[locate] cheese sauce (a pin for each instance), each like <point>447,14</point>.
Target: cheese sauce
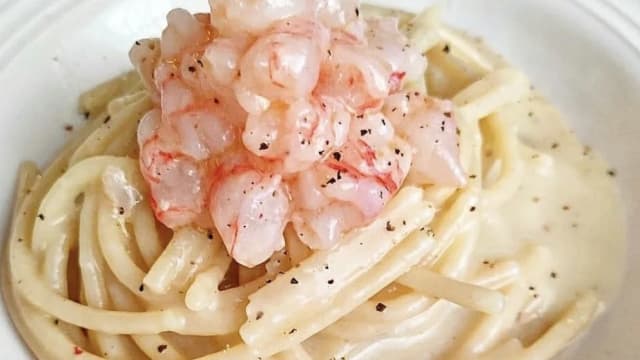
<point>569,203</point>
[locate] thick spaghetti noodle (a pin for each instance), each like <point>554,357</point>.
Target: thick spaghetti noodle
<point>87,275</point>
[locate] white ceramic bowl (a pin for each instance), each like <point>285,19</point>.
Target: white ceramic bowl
<point>584,55</point>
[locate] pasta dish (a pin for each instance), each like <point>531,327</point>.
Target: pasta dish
<point>316,179</point>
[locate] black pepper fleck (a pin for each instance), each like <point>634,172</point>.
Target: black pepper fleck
<point>162,348</point>
<point>380,307</point>
<point>390,227</point>
<point>141,288</point>
<point>294,281</point>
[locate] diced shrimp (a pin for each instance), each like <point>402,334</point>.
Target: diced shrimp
<point>387,42</point>
<point>284,64</point>
<point>175,97</point>
<point>364,69</point>
<point>296,135</point>
<point>144,55</point>
<point>183,30</point>
<point>322,229</point>
<point>250,210</point>
<point>352,186</point>
<point>429,125</point>
<point>337,13</point>
<point>270,112</point>
<point>203,134</point>
<point>255,16</point>
<point>358,80</point>
<point>175,181</point>
<point>223,55</point>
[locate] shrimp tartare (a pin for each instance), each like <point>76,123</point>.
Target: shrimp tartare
<point>301,117</point>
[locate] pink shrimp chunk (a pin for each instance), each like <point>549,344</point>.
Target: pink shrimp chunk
<point>284,64</point>
<point>249,210</point>
<point>429,125</point>
<point>274,112</point>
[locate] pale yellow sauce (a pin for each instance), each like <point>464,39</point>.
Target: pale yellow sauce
<point>567,202</point>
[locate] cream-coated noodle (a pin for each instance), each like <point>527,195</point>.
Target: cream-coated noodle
<point>485,245</point>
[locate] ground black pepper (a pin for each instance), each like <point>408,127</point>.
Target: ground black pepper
<point>390,227</point>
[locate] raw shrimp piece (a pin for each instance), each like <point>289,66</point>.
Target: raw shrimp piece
<point>319,219</point>
<point>429,125</point>
<point>250,211</point>
<point>338,13</point>
<point>353,184</point>
<point>255,16</point>
<point>175,180</point>
<point>144,56</point>
<point>203,133</point>
<point>387,42</point>
<point>368,177</point>
<point>148,127</point>
<point>183,31</point>
<point>369,61</point>
<point>355,78</point>
<point>223,56</point>
<point>284,64</point>
<point>176,184</point>
<point>323,229</point>
<point>297,135</point>
<point>175,97</point>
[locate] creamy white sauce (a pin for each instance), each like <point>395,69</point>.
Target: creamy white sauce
<point>567,202</point>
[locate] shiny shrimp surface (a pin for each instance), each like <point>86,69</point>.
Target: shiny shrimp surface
<point>269,113</point>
